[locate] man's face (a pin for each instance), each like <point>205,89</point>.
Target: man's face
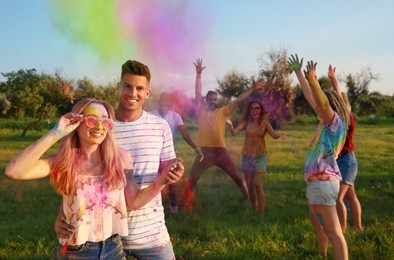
<point>134,90</point>
<point>212,101</point>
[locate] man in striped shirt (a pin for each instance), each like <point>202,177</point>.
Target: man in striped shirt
<point>148,139</point>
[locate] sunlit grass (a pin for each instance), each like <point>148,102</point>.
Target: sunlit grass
<point>222,226</point>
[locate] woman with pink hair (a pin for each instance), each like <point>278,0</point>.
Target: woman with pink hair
<point>94,177</point>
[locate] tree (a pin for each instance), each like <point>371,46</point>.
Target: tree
<point>358,84</point>
<point>87,89</point>
<point>277,96</point>
<point>386,107</point>
<point>60,92</point>
<point>5,104</point>
<point>374,104</point>
<point>58,96</point>
<point>110,94</point>
<point>22,89</point>
<point>300,104</point>
<point>35,95</point>
<point>233,84</point>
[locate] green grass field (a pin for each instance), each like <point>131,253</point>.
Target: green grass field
<point>221,225</point>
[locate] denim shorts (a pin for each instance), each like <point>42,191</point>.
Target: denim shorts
<point>164,252</point>
<point>258,163</point>
<point>347,164</point>
<point>322,192</point>
<point>111,248</point>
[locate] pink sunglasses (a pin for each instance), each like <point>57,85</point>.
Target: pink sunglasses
<point>93,121</point>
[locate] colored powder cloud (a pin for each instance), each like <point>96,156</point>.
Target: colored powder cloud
<point>89,22</point>
<point>166,35</point>
<point>166,32</point>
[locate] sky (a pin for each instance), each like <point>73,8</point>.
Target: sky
<point>93,38</point>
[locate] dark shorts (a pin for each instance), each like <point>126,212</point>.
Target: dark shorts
<point>347,164</point>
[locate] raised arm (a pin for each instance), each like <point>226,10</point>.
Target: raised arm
<point>258,85</point>
<point>296,65</point>
<point>28,164</point>
<point>333,77</point>
<point>322,104</point>
<point>136,198</point>
<point>198,85</point>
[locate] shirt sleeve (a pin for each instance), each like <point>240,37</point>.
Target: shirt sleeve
<point>336,123</point>
<point>168,151</point>
<point>226,111</point>
<point>178,119</point>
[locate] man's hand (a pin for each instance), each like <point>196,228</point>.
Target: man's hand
<point>175,171</point>
<point>199,152</point>
<point>63,230</point>
<point>199,67</point>
<point>295,63</point>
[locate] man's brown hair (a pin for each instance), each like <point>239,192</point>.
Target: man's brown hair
<point>136,68</point>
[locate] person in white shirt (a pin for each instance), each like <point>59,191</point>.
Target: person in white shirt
<point>175,122</point>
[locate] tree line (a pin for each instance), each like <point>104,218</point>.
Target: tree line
<point>31,94</point>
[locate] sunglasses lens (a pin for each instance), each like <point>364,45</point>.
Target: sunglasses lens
<point>91,121</point>
<point>107,124</point>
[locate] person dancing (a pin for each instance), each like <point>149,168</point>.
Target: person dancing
<point>254,152</point>
<point>321,171</point>
<point>348,166</point>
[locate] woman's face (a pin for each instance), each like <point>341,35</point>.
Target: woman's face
<point>255,110</point>
<point>95,125</point>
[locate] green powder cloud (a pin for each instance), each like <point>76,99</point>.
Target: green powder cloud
<point>90,22</point>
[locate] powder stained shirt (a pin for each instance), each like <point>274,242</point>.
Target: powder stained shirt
<point>94,211</point>
<point>149,141</point>
<point>324,147</point>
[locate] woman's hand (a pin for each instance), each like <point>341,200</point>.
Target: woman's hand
<point>68,123</point>
<point>258,85</point>
<point>310,74</point>
<point>332,75</point>
<point>295,63</point>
